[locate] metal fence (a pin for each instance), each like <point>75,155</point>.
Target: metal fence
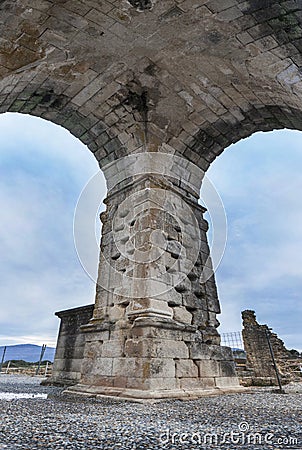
<point>232,339</point>
<point>8,365</point>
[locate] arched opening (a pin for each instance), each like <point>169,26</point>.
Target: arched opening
<point>42,172</point>
<point>259,180</point>
<point>43,169</point>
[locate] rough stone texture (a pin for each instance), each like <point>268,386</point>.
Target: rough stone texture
<point>216,422</point>
<point>259,359</point>
<point>152,269</point>
<point>179,77</point>
<point>200,74</point>
<point>70,345</point>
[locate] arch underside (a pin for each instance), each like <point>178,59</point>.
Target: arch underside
<point>197,77</point>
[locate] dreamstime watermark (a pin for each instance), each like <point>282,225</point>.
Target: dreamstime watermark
<point>243,435</point>
<point>140,205</point>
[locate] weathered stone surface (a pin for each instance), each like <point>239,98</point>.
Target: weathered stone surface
<point>156,348</point>
<point>197,383</point>
<point>144,368</point>
<point>185,368</point>
<point>213,352</point>
<point>208,368</point>
<point>116,76</point>
<point>244,70</point>
<point>112,348</point>
<point>227,368</point>
<point>70,346</point>
<point>226,382</point>
<point>181,314</point>
<point>260,366</point>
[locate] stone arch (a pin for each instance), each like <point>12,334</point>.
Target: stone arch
<point>135,75</point>
<point>188,68</point>
<point>42,97</point>
<point>211,141</point>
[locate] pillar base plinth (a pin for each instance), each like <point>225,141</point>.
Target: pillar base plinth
<point>137,395</point>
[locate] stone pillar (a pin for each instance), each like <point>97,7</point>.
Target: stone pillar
<point>70,346</point>
<point>154,329</point>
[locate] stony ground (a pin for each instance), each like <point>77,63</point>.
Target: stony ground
<point>262,420</point>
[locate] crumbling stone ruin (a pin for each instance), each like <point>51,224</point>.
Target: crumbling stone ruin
<point>259,361</point>
<point>156,90</point>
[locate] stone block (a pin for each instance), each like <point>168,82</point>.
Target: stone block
<point>112,348</point>
<point>130,367</point>
<point>170,333</point>
<point>226,382</point>
<point>206,351</point>
<point>227,368</point>
<point>185,368</point>
<point>154,348</point>
<point>93,349</point>
<point>163,383</point>
<point>162,368</point>
<point>74,365</point>
<point>230,14</point>
<point>98,380</point>
<point>170,296</point>
<point>155,384</point>
<point>190,300</point>
<point>149,307</point>
<point>102,366</point>
<point>88,91</point>
<point>211,336</point>
<point>120,381</point>
<point>138,383</point>
<point>197,383</point>
<point>66,377</point>
<point>144,367</point>
<point>208,368</point>
<point>98,337</point>
<point>181,314</point>
<point>116,312</point>
<point>213,304</point>
<point>200,318</point>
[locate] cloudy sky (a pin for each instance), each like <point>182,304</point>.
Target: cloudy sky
<point>43,170</point>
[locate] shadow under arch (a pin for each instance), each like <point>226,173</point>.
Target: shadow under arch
<point>212,140</point>
<point>47,101</point>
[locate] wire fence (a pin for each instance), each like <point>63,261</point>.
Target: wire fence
<point>10,368</point>
<point>232,339</point>
<point>13,363</point>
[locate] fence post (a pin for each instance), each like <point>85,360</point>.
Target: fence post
<point>274,361</point>
<point>2,360</point>
<point>45,374</point>
<point>41,357</point>
<point>8,366</point>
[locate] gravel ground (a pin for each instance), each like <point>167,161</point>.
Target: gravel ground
<point>261,420</point>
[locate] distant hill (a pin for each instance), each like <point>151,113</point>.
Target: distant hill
<point>27,352</point>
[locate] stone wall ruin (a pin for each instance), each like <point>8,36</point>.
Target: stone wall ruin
<point>259,360</point>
